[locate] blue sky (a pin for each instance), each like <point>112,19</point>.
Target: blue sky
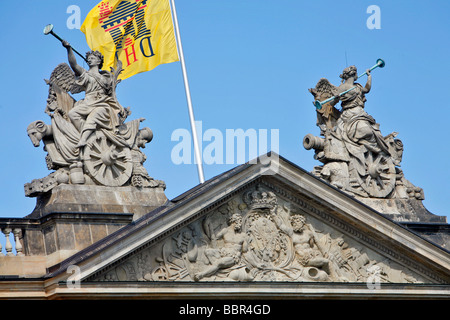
<point>250,64</point>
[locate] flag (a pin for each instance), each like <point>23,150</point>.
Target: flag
<point>137,32</point>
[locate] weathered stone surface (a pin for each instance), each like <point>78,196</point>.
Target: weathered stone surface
<point>34,242</point>
<point>98,232</point>
<point>57,236</point>
<point>99,199</point>
<point>50,240</point>
<point>66,239</point>
<point>403,210</point>
<point>82,235</point>
<point>23,266</point>
<point>436,232</point>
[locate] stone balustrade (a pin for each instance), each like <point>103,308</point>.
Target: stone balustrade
<point>29,245</point>
<point>14,247</point>
<point>12,231</point>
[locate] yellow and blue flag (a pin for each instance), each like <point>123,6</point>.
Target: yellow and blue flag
<point>140,33</point>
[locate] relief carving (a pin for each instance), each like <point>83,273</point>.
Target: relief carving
<point>258,237</point>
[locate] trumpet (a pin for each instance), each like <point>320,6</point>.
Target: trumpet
<point>318,104</point>
<point>49,30</point>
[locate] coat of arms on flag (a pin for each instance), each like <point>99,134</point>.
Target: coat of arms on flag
<point>138,32</point>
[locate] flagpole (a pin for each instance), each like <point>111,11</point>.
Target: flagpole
<point>188,97</point>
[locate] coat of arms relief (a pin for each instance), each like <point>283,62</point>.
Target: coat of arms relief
<point>257,236</point>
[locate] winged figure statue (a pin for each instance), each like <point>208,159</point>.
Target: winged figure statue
<point>89,140</point>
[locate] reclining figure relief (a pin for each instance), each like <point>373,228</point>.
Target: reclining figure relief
<point>259,237</point>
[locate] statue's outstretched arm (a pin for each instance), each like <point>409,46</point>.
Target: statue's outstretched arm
<point>72,60</point>
<point>369,82</point>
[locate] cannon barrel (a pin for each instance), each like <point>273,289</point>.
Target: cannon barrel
<point>312,142</point>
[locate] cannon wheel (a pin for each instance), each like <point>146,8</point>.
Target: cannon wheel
<point>379,180</point>
<point>107,163</point>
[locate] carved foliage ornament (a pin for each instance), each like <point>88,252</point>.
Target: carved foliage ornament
<point>257,237</point>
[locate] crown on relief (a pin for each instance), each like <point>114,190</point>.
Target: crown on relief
<point>260,199</point>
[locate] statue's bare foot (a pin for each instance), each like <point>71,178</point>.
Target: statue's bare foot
<point>197,277</point>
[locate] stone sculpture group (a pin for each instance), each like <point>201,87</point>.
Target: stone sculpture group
<point>255,236</point>
<point>88,141</point>
<point>356,157</point>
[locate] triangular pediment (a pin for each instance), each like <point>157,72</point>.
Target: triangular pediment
<point>262,223</point>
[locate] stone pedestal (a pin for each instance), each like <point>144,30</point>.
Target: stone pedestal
<point>57,236</point>
<point>403,210</point>
<point>70,218</point>
<point>68,198</point>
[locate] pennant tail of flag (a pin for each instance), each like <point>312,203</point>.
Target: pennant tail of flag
<point>139,33</point>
